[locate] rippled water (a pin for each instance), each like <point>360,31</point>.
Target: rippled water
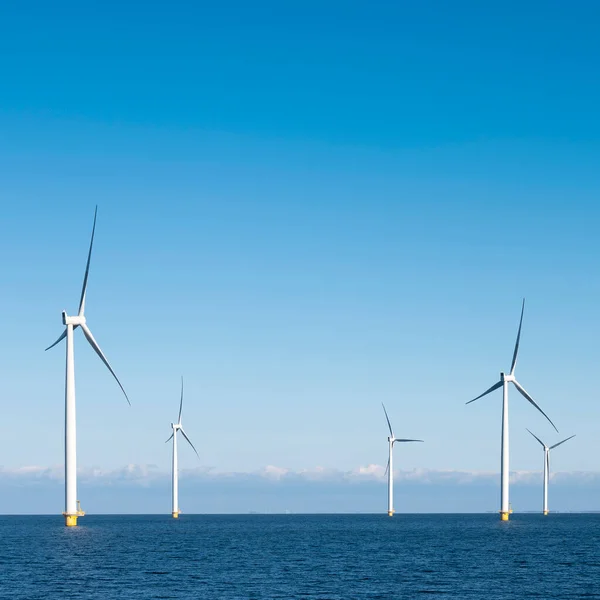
<point>301,556</point>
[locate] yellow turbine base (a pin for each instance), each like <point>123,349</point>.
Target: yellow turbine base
<point>390,513</point>
<point>546,513</point>
<point>175,515</point>
<point>504,516</point>
<point>71,520</point>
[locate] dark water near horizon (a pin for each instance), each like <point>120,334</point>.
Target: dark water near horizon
<point>301,556</point>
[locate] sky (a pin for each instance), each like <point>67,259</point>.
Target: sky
<point>305,209</point>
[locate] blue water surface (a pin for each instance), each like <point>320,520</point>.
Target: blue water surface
<point>301,556</point>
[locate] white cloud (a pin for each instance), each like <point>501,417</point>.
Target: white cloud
<point>32,472</point>
<point>370,471</point>
<point>272,472</point>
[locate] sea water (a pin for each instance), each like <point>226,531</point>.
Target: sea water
<point>301,556</point>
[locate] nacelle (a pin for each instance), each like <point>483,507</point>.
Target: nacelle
<point>67,320</point>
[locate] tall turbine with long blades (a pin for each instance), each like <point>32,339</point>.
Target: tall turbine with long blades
<point>177,427</point>
<point>390,466</point>
<point>547,466</point>
<point>503,383</point>
<point>71,323</point>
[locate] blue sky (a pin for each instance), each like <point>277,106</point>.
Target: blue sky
<point>306,210</point>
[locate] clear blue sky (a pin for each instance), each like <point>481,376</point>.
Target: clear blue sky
<point>305,208</point>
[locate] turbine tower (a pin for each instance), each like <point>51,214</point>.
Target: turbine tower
<point>71,323</point>
<point>547,466</point>
<point>503,383</point>
<point>177,427</point>
<point>389,469</point>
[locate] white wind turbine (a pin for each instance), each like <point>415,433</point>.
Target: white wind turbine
<point>390,466</point>
<point>503,383</point>
<point>72,510</point>
<point>177,427</point>
<point>547,466</point>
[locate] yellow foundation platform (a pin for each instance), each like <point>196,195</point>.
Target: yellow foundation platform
<point>390,513</point>
<point>546,513</point>
<point>71,520</point>
<point>504,516</point>
<point>175,515</point>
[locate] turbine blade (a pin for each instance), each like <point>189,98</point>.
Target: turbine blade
<point>170,438</point>
<point>494,387</point>
<point>528,397</point>
<point>387,468</point>
<point>559,443</point>
<point>63,335</point>
<point>514,360</point>
<point>189,442</point>
<point>87,268</point>
<point>90,338</point>
<point>400,440</point>
<point>537,438</point>
<point>387,419</point>
<point>180,403</point>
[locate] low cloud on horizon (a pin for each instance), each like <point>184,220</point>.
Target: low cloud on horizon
<point>143,489</point>
<point>146,474</point>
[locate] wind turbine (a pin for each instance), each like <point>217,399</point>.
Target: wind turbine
<point>177,427</point>
<point>547,466</point>
<point>72,510</point>
<point>503,383</point>
<point>389,469</point>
